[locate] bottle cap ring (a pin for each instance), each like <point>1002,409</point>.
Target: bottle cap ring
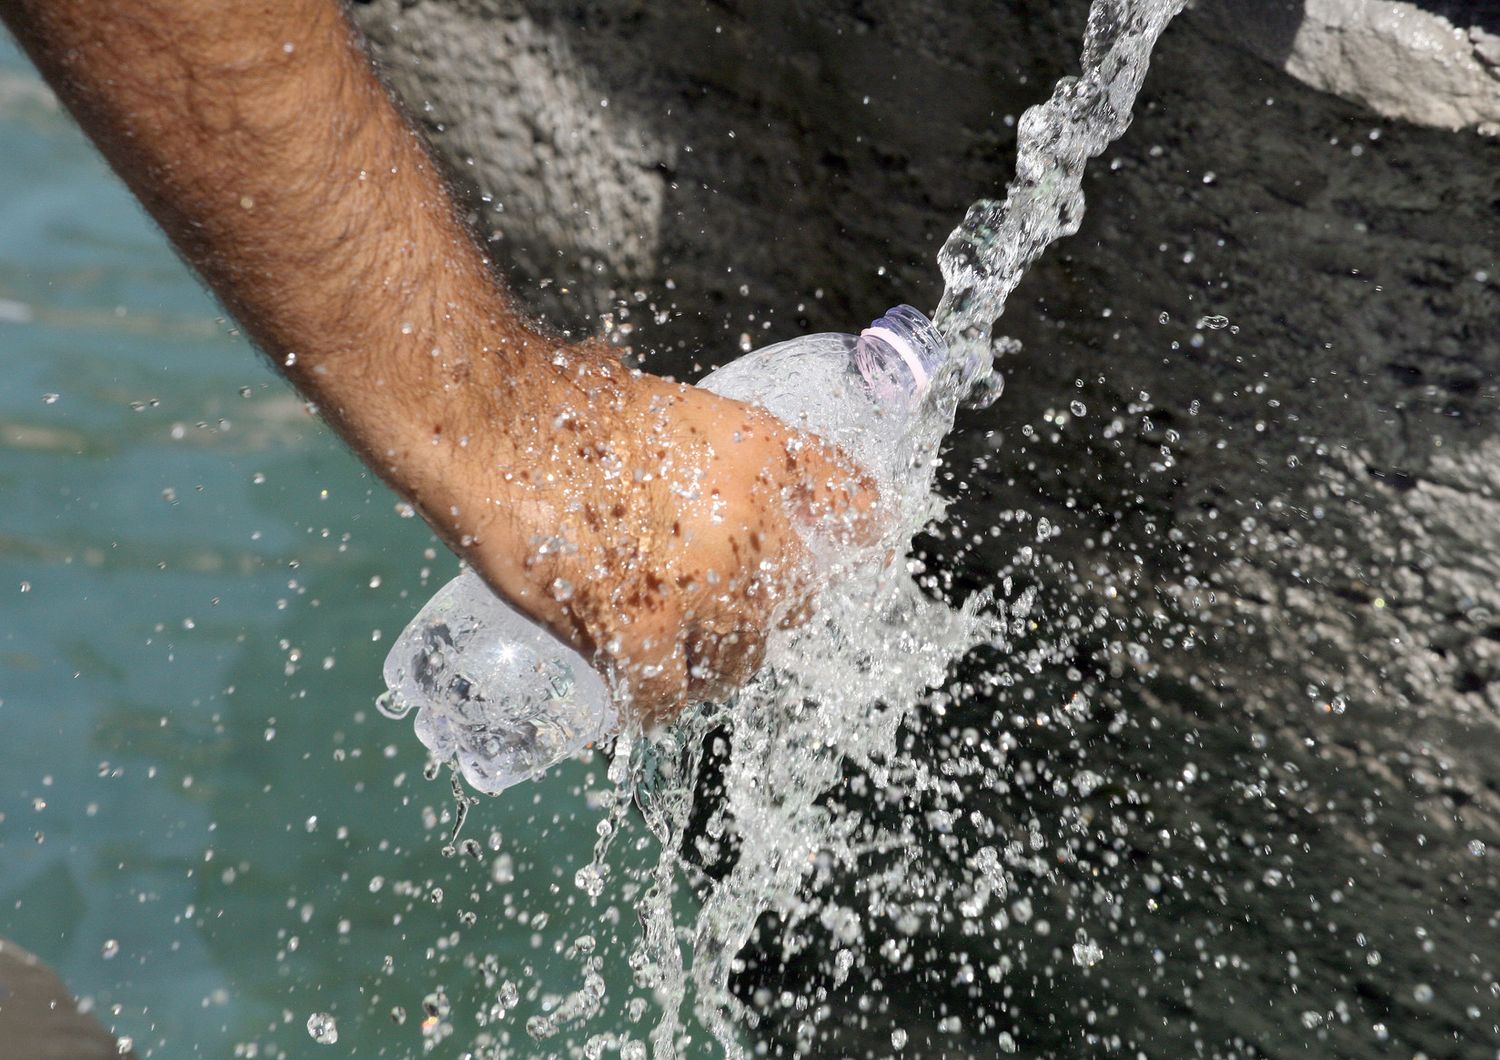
<point>903,348</point>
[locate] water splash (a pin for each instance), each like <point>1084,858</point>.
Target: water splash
<point>845,684</point>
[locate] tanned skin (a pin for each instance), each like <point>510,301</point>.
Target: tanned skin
<point>649,524</point>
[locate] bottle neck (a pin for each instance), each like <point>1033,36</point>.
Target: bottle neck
<point>903,349</point>
<point>899,355</point>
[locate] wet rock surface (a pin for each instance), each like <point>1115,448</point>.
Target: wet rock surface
<point>1248,731</point>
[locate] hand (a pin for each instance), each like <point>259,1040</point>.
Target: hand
<point>661,524</point>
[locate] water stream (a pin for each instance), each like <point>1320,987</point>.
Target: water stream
<point>845,692</point>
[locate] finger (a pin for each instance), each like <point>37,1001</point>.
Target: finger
<point>799,599</point>
<point>655,691</point>
<point>828,489</point>
<point>720,662</point>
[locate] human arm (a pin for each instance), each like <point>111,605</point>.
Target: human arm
<point>629,515</point>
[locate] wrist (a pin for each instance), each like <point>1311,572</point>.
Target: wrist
<point>530,468</point>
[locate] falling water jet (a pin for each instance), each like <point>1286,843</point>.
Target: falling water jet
<point>986,256</point>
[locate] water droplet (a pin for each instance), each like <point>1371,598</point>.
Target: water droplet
<point>50,399</point>
<point>986,390</point>
<point>1214,322</point>
<point>590,880</point>
<point>1423,993</point>
<point>392,707</point>
<point>1079,408</point>
<point>322,1029</point>
<point>1087,953</point>
<point>110,949</point>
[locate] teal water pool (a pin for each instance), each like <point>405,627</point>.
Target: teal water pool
<point>204,824</point>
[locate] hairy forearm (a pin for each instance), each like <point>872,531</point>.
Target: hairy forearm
<point>258,137</point>
<point>642,520</point>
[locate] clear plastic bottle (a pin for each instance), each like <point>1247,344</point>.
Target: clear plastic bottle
<point>492,689</point>
<point>503,697</point>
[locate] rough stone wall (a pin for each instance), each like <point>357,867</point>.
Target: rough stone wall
<point>1289,527</point>
<point>1434,63</point>
<point>779,146</point>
